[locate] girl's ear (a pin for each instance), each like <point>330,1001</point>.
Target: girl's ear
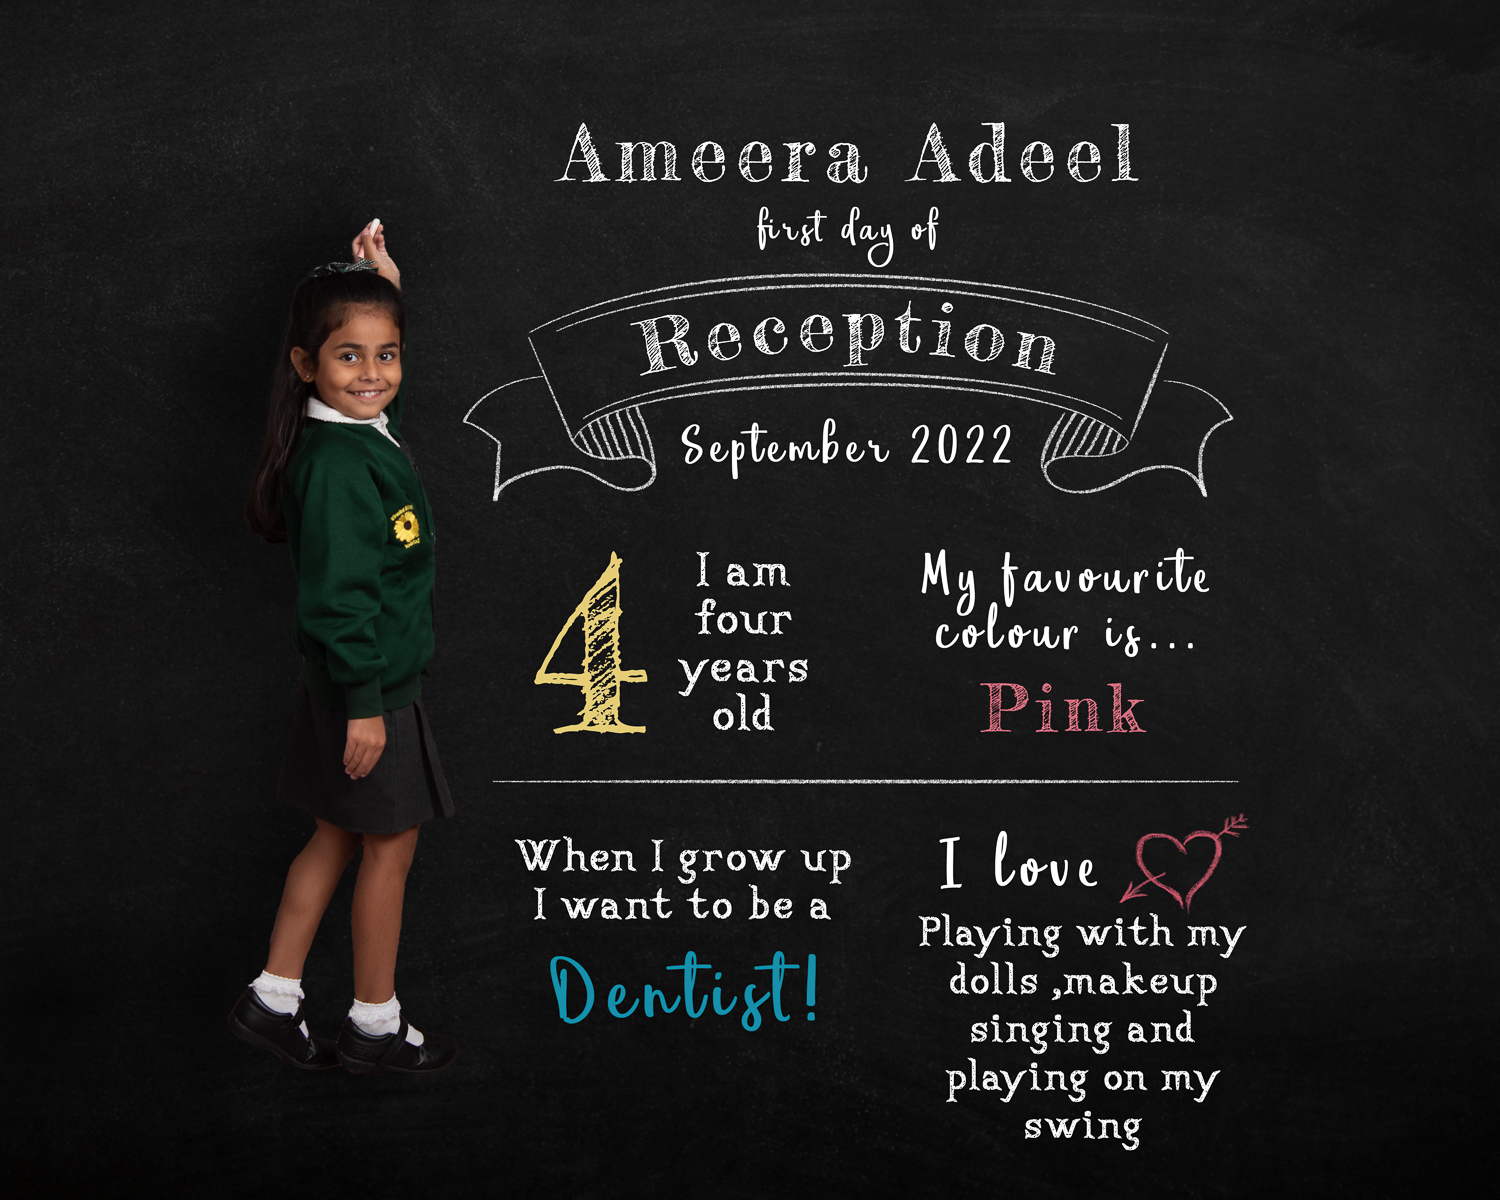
<point>305,364</point>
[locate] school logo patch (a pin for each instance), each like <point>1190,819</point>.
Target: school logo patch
<point>405,523</point>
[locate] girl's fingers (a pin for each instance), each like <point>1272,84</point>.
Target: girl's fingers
<point>368,757</point>
<point>354,752</point>
<point>368,241</point>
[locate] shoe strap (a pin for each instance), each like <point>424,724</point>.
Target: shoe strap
<point>398,1039</point>
<point>293,1019</point>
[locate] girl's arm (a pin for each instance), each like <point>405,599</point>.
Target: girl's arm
<point>338,593</point>
<point>369,243</point>
<point>366,735</point>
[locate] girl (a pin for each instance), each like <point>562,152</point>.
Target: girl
<point>339,487</point>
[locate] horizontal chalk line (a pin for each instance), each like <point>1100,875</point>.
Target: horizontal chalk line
<point>774,782</point>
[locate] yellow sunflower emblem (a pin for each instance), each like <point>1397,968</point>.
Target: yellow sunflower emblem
<point>405,523</point>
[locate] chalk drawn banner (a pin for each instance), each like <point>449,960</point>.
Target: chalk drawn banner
<point>603,365</point>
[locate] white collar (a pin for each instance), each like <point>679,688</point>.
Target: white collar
<point>319,411</point>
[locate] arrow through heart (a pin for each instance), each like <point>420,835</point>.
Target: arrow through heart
<point>1232,826</point>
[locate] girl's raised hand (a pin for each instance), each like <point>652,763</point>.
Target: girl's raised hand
<point>369,243</point>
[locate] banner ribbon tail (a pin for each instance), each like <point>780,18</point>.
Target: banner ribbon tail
<point>616,447</point>
<point>1083,455</point>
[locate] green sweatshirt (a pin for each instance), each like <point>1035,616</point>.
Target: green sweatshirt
<point>361,538</point>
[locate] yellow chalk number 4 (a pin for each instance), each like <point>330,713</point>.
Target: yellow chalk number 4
<point>601,677</point>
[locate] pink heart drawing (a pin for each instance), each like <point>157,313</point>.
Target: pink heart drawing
<point>1155,876</point>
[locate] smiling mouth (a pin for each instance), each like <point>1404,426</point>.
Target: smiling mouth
<point>369,395</point>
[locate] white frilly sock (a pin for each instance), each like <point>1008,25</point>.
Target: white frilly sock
<point>382,1020</point>
<point>280,994</point>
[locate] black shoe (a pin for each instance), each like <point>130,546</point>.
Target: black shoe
<point>252,1020</point>
<point>393,1054</point>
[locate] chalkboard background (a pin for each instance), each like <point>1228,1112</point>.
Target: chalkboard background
<point>1314,224</point>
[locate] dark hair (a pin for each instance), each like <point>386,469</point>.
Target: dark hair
<point>319,306</point>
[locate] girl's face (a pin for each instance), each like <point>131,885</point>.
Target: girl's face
<point>358,369</point>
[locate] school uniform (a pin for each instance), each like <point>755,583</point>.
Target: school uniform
<point>360,533</point>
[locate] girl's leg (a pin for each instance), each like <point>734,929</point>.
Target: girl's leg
<point>310,882</point>
<point>376,919</point>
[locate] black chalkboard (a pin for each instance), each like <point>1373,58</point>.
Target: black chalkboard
<point>947,444</point>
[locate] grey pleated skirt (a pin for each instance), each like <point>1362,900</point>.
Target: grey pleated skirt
<point>405,788</point>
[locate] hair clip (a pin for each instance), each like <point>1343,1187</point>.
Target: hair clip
<point>359,264</point>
